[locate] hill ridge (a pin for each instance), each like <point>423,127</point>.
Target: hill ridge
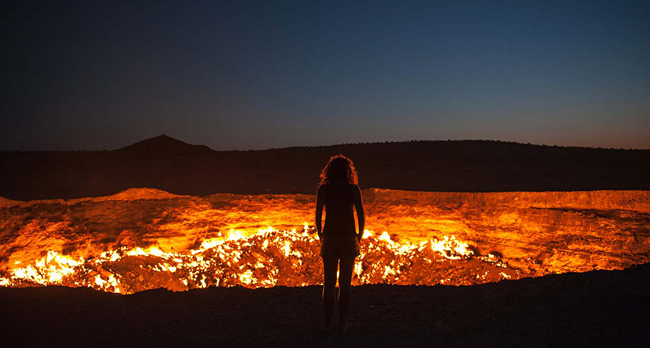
<point>164,145</point>
<point>171,165</point>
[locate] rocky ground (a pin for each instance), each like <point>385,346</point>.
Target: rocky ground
<point>598,308</point>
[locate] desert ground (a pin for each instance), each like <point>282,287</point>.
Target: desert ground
<point>592,309</point>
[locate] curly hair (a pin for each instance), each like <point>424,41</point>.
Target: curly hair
<point>339,168</point>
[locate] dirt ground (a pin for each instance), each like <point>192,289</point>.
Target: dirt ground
<point>594,309</point>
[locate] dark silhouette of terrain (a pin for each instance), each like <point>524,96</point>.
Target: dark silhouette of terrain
<point>592,309</point>
<point>162,147</point>
<point>465,166</point>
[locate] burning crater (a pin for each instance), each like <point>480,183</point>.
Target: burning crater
<point>143,238</point>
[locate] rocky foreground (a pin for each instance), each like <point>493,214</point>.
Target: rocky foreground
<point>592,309</point>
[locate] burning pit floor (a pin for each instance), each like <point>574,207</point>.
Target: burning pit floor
<point>597,308</point>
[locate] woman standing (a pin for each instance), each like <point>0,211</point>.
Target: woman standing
<point>339,193</point>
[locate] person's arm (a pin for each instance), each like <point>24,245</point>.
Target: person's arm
<point>319,211</point>
<point>358,204</point>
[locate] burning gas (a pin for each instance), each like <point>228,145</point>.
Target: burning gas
<point>143,239</point>
<point>267,258</point>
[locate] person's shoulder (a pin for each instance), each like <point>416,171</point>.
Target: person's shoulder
<point>323,188</point>
<point>355,188</point>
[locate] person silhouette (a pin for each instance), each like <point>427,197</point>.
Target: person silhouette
<point>338,193</point>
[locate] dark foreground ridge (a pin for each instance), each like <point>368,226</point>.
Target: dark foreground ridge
<point>593,309</point>
<point>453,166</point>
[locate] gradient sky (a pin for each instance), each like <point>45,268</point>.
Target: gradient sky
<point>252,75</point>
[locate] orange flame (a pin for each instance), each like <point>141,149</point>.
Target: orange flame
<point>264,259</point>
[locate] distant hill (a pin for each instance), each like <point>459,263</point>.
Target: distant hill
<point>464,166</point>
<point>164,146</point>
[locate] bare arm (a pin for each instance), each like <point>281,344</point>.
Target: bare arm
<point>358,204</point>
<point>319,211</point>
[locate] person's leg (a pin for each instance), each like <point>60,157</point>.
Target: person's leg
<point>330,265</point>
<point>345,279</point>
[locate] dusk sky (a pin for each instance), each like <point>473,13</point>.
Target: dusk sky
<point>252,75</point>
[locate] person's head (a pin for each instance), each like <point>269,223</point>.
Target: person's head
<point>339,169</point>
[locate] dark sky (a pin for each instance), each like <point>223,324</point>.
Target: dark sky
<point>252,75</point>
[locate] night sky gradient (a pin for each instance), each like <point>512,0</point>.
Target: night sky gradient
<point>260,74</point>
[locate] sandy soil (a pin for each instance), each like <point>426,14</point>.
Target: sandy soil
<point>599,308</point>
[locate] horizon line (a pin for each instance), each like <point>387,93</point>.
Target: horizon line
<point>344,144</point>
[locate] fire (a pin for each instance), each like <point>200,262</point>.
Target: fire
<point>450,248</point>
<point>267,258</point>
<point>124,245</point>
